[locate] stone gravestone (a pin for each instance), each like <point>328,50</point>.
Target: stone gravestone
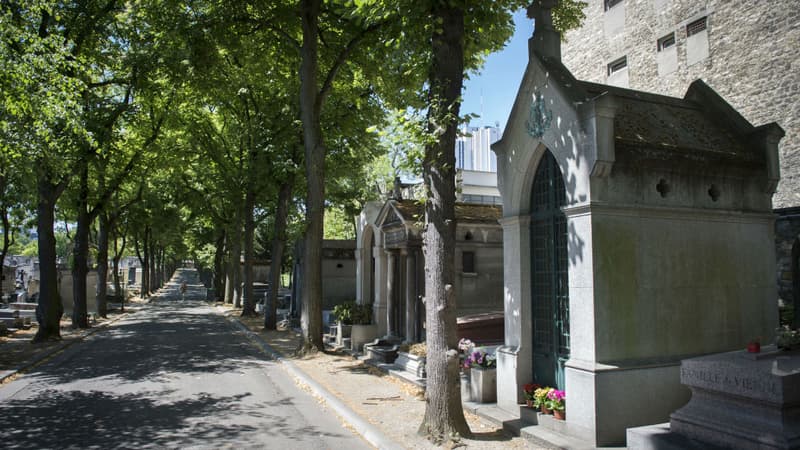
<point>742,400</point>
<point>739,400</point>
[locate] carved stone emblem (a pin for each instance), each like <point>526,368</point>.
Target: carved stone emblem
<point>540,116</point>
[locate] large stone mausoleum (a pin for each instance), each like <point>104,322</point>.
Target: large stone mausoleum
<point>637,231</point>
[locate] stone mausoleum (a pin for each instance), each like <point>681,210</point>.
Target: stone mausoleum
<point>391,266</point>
<point>637,231</point>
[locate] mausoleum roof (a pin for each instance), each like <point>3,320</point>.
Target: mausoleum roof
<point>643,120</point>
<point>413,211</point>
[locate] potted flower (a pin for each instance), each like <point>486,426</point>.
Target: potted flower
<point>529,390</point>
<point>483,374</point>
<point>362,330</point>
<point>344,315</point>
<point>556,402</point>
<point>540,398</point>
<point>754,346</point>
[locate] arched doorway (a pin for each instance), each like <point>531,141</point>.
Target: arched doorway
<point>550,293</point>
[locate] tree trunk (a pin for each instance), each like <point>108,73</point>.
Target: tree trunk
<point>219,267</point>
<point>249,308</point>
<point>116,259</point>
<point>7,233</point>
<point>310,104</point>
<point>236,265</point>
<point>152,265</point>
<point>80,251</point>
<point>233,288</point>
<point>229,268</point>
<point>144,261</point>
<point>102,266</point>
<point>49,309</point>
<point>278,247</point>
<point>444,416</point>
<point>160,270</point>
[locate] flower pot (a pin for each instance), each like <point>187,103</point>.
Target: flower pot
<point>362,334</point>
<point>559,415</point>
<point>342,332</point>
<point>544,410</point>
<point>483,385</point>
<point>529,403</point>
<point>754,347</point>
<point>466,392</point>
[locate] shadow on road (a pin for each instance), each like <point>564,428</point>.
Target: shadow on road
<point>137,420</point>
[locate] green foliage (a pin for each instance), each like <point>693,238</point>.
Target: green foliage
<point>568,15</point>
<point>352,313</point>
<point>339,225</point>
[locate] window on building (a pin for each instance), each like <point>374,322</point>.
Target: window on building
<point>611,3</point>
<point>666,42</point>
<point>697,44</point>
<point>696,26</point>
<point>617,65</point>
<point>468,262</point>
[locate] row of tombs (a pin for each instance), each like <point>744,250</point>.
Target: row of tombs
<point>636,231</point>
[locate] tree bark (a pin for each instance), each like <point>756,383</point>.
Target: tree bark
<point>144,261</point>
<point>153,278</point>
<point>160,269</point>
<point>236,265</point>
<point>49,308</point>
<point>102,266</point>
<point>249,307</point>
<point>278,247</point>
<point>229,268</point>
<point>233,282</point>
<point>80,251</point>
<point>310,105</point>
<point>444,416</point>
<point>7,233</point>
<point>116,259</point>
<point>219,266</point>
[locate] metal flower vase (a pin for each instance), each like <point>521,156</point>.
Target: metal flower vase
<point>483,384</point>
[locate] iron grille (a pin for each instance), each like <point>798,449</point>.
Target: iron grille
<point>696,26</point>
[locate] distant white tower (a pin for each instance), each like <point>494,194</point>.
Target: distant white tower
<point>473,148</point>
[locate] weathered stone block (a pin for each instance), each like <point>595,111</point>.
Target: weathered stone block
<point>483,385</point>
<point>742,400</point>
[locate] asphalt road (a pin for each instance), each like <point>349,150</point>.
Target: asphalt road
<point>173,375</point>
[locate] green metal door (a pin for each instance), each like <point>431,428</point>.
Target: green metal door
<point>550,294</point>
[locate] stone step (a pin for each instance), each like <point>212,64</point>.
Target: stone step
<point>22,306</point>
<point>28,314</point>
<point>11,322</point>
<point>8,313</point>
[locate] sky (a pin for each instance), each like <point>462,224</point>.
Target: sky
<point>491,92</point>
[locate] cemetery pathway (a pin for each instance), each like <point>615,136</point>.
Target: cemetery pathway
<point>175,375</point>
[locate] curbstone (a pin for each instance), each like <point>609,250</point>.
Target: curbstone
<point>369,432</point>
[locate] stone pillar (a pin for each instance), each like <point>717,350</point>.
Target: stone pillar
<point>515,357</point>
<point>390,292</point>
<point>361,275</point>
<point>379,302</point>
<point>411,296</point>
<point>364,276</point>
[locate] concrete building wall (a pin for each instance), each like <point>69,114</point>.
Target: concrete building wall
<point>338,272</point>
<point>749,54</point>
<point>479,290</point>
